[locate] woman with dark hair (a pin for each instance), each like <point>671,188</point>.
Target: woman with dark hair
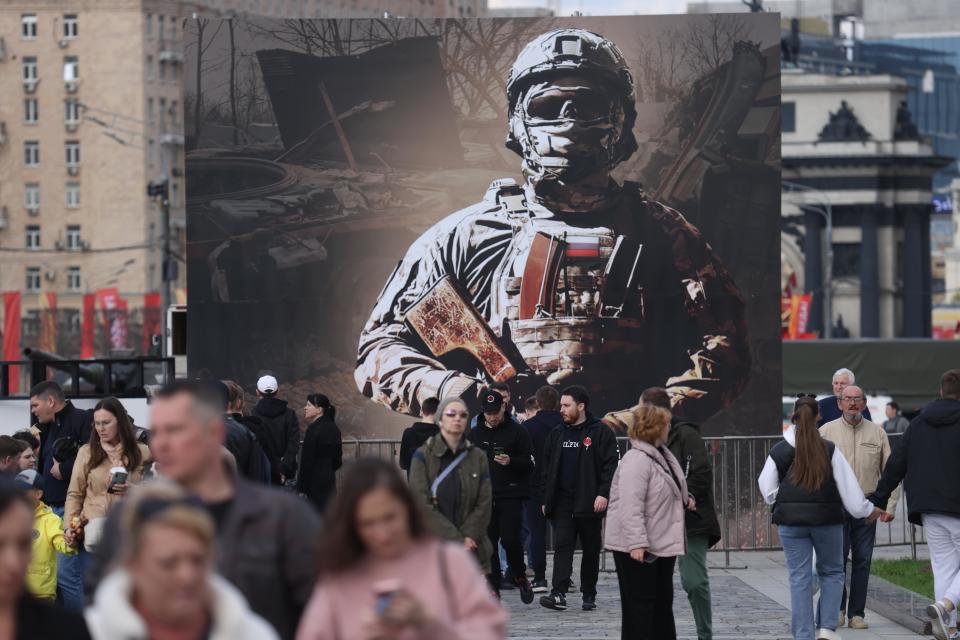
<point>809,483</point>
<point>382,574</point>
<point>104,470</point>
<point>22,616</point>
<point>322,452</point>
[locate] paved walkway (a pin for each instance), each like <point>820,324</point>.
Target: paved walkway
<point>748,604</point>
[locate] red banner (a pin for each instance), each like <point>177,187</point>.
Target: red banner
<point>87,328</point>
<point>11,335</point>
<point>151,319</point>
<point>795,316</point>
<point>48,322</point>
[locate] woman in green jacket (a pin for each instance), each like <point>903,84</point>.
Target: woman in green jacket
<point>451,478</point>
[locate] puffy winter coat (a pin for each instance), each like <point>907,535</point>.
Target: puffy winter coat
<point>113,617</point>
<point>647,501</point>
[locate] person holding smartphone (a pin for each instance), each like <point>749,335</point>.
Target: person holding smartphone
<point>645,526</point>
<point>102,474</point>
<point>384,575</point>
<point>510,455</point>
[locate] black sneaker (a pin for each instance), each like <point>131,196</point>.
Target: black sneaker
<point>507,583</point>
<point>540,585</point>
<point>526,591</point>
<point>589,603</point>
<point>555,601</point>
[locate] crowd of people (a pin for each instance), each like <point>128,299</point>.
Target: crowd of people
<point>208,525</point>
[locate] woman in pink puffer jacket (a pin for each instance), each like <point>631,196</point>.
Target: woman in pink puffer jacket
<point>645,527</point>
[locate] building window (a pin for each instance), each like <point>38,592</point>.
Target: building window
<point>151,118</point>
<point>73,195</point>
<point>149,67</point>
<point>846,260</point>
<point>73,237</point>
<point>30,69</point>
<point>160,24</point>
<point>71,111</point>
<point>31,153</point>
<point>31,195</point>
<point>163,112</point>
<point>71,69</point>
<point>148,24</point>
<point>28,26</point>
<point>173,28</point>
<point>72,148</point>
<point>33,236</point>
<point>30,111</point>
<point>173,112</point>
<point>788,117</point>
<point>151,152</point>
<point>174,195</point>
<point>163,70</point>
<point>33,279</point>
<point>73,279</point>
<point>70,26</point>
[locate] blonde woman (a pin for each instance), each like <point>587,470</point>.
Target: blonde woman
<point>165,586</point>
<point>645,526</point>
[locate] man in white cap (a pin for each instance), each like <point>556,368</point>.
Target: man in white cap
<point>281,430</point>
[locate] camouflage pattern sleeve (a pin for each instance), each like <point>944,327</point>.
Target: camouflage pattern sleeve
<point>393,367</point>
<point>720,361</point>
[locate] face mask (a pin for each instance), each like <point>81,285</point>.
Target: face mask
<point>566,132</point>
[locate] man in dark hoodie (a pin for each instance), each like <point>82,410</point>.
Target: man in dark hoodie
<point>510,456</point>
<point>925,460</point>
<point>415,435</point>
<point>281,430</point>
<point>539,426</point>
<point>579,460</point>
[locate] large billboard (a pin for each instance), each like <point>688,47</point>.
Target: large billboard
<point>389,210</point>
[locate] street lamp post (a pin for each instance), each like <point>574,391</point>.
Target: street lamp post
<point>826,211</point>
<point>161,191</point>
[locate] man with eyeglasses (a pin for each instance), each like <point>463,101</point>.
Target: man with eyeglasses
<point>830,409</point>
<point>865,446</point>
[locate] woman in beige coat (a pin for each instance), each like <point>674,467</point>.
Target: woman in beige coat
<point>105,468</point>
<point>645,527</point>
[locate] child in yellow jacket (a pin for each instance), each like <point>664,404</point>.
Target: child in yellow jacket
<point>47,539</point>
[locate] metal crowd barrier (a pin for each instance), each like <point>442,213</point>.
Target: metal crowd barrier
<point>744,517</point>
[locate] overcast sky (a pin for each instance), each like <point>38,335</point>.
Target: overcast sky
<point>602,7</point>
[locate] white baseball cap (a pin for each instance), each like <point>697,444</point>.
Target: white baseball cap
<point>267,384</point>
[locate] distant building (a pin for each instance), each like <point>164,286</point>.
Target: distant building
<point>852,139</point>
<point>90,113</point>
<point>307,9</point>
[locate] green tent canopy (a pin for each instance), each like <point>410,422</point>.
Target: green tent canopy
<point>907,370</point>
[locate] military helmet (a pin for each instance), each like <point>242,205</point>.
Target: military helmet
<point>578,51</point>
<point>563,51</point>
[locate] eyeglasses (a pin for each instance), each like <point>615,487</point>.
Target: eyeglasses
<point>852,398</point>
<point>573,102</point>
<point>453,413</point>
<point>805,395</point>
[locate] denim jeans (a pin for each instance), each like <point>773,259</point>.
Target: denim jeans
<point>858,540</point>
<point>70,576</point>
<point>798,546</point>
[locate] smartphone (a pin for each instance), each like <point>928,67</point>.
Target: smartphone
<point>649,558</point>
<point>499,451</point>
<point>384,592</point>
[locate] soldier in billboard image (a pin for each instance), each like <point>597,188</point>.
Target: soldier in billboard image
<point>573,277</point>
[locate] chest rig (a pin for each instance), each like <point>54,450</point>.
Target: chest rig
<point>571,297</point>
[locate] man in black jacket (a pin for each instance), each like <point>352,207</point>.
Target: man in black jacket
<point>63,430</point>
<point>418,433</point>
<point>510,455</point>
<point>579,460</point>
<point>703,529</point>
<point>281,430</point>
<point>925,460</point>
<point>539,426</point>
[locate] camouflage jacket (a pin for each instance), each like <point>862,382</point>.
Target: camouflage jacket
<point>673,318</point>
